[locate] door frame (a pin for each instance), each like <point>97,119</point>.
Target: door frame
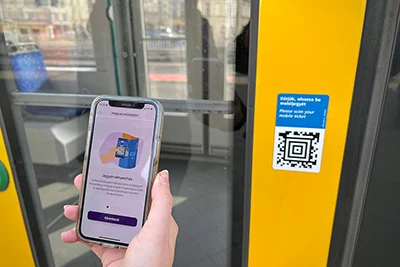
<point>22,168</point>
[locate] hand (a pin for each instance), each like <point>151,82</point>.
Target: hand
<point>154,246</point>
<point>109,156</point>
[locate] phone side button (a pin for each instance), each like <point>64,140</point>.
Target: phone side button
<point>108,245</point>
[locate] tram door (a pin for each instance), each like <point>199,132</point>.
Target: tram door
<point>15,243</point>
<point>326,116</point>
<point>57,56</point>
<point>255,181</point>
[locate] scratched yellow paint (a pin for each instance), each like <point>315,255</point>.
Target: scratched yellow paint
<point>305,47</point>
<point>14,244</point>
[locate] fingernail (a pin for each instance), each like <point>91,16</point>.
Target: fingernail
<point>164,176</point>
<point>65,206</point>
<point>62,234</point>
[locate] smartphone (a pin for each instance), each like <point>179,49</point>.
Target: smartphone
<point>120,164</point>
<point>121,147</point>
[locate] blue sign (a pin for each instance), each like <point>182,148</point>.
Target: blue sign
<point>302,111</point>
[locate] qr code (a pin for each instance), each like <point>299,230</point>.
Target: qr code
<point>298,149</point>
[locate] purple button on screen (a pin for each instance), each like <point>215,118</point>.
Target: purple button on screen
<point>111,218</point>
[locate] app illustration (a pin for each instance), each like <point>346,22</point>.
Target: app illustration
<point>121,149</point>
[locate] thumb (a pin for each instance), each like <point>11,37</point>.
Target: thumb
<point>161,206</point>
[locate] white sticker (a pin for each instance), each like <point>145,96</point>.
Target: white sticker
<point>300,132</point>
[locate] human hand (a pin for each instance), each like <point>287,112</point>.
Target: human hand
<point>154,246</point>
<point>109,155</point>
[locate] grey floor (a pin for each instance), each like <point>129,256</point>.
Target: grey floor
<point>201,208</point>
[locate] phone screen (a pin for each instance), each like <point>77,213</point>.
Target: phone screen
<point>118,172</point>
<point>121,147</point>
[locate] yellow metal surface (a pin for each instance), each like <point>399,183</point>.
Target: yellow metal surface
<point>305,47</point>
<point>14,244</point>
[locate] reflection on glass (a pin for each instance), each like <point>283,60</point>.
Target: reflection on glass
<point>183,36</point>
<point>379,233</point>
<point>57,27</point>
<point>192,50</point>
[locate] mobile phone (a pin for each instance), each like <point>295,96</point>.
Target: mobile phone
<point>120,163</point>
<point>121,147</point>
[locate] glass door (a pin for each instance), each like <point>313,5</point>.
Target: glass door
<point>184,53</point>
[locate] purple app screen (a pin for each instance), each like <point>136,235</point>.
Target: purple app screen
<point>118,172</point>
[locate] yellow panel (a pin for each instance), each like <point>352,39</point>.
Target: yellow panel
<point>305,47</point>
<point>14,244</point>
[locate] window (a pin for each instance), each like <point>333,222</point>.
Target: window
<point>217,10</point>
<point>228,9</point>
<point>222,32</point>
<point>246,9</point>
<point>207,9</point>
<point>68,43</point>
<point>24,31</point>
<point>174,58</point>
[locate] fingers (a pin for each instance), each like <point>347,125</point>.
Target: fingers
<point>161,206</point>
<point>174,227</point>
<point>69,236</point>
<point>71,212</point>
<point>173,232</point>
<point>78,182</point>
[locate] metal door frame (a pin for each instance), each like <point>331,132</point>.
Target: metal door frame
<point>22,167</point>
<point>375,58</point>
<point>240,253</point>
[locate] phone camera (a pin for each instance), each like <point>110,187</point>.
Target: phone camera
<point>107,207</point>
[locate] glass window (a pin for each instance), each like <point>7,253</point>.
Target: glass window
<point>222,32</point>
<point>228,9</point>
<point>207,9</point>
<point>63,41</point>
<point>217,9</point>
<point>23,31</point>
<point>191,55</point>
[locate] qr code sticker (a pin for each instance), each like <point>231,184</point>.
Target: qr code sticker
<point>298,149</point>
